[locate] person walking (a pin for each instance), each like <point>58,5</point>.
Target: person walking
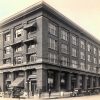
<point>49,93</point>
<point>40,92</point>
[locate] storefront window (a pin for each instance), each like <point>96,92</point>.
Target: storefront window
<point>50,79</point>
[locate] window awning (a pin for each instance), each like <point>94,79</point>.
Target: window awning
<point>30,25</point>
<point>32,76</point>
<point>17,82</point>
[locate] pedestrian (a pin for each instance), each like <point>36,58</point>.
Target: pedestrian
<point>40,92</point>
<point>49,93</point>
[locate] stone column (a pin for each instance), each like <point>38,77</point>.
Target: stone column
<point>25,79</point>
<point>12,51</point>
<point>24,47</point>
<point>97,82</point>
<point>57,81</point>
<point>91,82</point>
<point>12,77</point>
<point>78,81</point>
<point>68,82</point>
<point>2,82</point>
<point>42,79</point>
<point>85,82</point>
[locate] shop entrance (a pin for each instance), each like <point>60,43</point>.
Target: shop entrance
<point>33,87</point>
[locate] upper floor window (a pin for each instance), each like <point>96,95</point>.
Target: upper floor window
<point>18,33</point>
<point>94,51</point>
<point>64,61</point>
<point>95,60</point>
<point>52,58</point>
<point>82,55</point>
<point>82,44</point>
<point>7,50</point>
<point>52,29</point>
<point>7,61</point>
<point>31,46</point>
<point>74,40</point>
<point>74,52</point>
<point>88,67</point>
<point>64,35</point>
<point>89,48</point>
<point>89,58</point>
<point>7,36</point>
<point>32,58</point>
<point>64,48</point>
<point>18,59</point>
<point>99,52</point>
<point>52,44</point>
<point>99,60</point>
<point>18,48</point>
<point>74,64</point>
<point>94,69</point>
<point>82,65</point>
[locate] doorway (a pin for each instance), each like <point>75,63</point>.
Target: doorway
<point>33,86</point>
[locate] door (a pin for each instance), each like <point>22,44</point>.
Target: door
<point>33,87</point>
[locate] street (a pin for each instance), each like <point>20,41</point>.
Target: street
<point>93,97</point>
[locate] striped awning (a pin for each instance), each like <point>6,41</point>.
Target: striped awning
<point>17,82</point>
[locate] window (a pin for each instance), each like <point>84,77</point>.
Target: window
<point>95,60</point>
<point>99,60</point>
<point>64,48</point>
<point>74,40</point>
<point>19,60</point>
<point>89,48</point>
<point>7,61</point>
<point>88,67</point>
<point>18,48</point>
<point>18,33</point>
<point>64,35</point>
<point>89,58</point>
<point>94,69</point>
<point>7,50</point>
<point>82,65</point>
<point>32,58</point>
<point>52,44</point>
<point>74,64</point>
<point>52,29</point>
<point>82,44</point>
<point>31,46</point>
<point>99,52</point>
<point>82,55</point>
<point>64,61</point>
<point>8,37</point>
<point>52,58</point>
<point>98,70</point>
<point>94,51</point>
<point>74,52</point>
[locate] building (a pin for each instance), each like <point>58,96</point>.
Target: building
<point>41,48</point>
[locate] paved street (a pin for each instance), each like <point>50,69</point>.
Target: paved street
<point>93,97</point>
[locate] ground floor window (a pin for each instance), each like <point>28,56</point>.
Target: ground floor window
<point>51,79</point>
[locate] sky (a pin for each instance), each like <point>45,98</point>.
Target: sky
<point>85,13</point>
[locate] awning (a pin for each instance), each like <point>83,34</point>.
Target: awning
<point>30,25</point>
<point>17,82</point>
<point>32,76</point>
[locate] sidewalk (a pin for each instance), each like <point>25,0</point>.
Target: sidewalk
<point>44,96</point>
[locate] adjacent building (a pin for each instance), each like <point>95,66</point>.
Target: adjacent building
<point>40,49</point>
